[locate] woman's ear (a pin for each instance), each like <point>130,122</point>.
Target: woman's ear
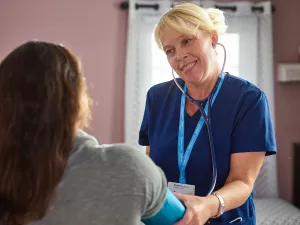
<point>215,39</point>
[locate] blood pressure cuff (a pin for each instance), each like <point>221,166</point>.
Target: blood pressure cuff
<point>171,211</point>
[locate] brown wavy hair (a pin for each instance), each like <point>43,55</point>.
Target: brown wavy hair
<point>43,101</point>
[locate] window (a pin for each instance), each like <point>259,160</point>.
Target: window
<point>231,41</point>
<point>161,70</point>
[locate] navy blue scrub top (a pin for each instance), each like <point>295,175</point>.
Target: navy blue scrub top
<point>240,121</point>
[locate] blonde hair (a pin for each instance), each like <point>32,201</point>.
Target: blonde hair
<point>187,18</point>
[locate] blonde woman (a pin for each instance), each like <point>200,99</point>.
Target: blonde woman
<point>239,128</point>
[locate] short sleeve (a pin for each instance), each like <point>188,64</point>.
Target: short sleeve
<point>143,134</point>
<point>145,179</point>
<point>157,188</point>
<point>253,129</point>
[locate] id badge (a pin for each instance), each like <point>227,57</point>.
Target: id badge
<point>182,188</point>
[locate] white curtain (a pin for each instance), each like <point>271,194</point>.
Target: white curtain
<point>139,69</point>
<point>249,55</point>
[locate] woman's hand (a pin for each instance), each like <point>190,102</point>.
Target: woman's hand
<point>198,209</point>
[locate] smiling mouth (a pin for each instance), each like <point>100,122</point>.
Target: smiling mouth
<point>188,66</point>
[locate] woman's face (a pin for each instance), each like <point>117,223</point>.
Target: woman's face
<point>192,57</point>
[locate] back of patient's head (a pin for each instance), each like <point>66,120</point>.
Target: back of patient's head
<point>43,101</point>
<point>188,18</point>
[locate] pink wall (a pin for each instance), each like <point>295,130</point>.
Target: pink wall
<point>286,41</point>
<point>95,30</point>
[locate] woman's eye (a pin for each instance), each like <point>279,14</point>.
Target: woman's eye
<point>169,51</point>
<point>186,41</point>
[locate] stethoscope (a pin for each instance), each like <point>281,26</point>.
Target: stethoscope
<point>175,207</point>
<point>207,118</point>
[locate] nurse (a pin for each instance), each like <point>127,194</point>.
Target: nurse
<point>241,125</point>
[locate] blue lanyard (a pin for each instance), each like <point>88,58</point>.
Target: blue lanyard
<point>183,157</point>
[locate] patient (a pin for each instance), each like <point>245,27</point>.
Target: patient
<point>51,171</point>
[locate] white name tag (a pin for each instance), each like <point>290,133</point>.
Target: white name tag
<point>182,188</point>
